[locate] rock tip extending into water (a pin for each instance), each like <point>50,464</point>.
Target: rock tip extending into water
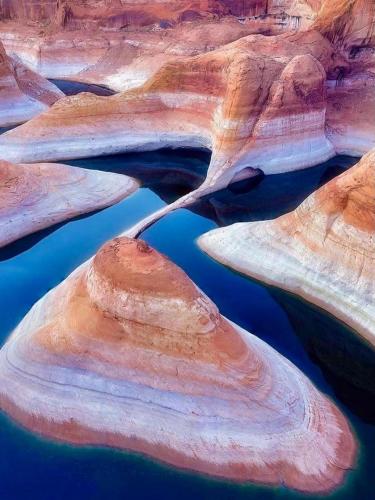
<point>128,352</point>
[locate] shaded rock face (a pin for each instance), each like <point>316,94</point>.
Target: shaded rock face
<point>23,93</point>
<point>323,251</point>
<point>33,197</point>
<point>128,352</point>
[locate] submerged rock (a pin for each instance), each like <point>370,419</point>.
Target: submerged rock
<point>33,197</point>
<point>128,352</point>
<point>324,250</point>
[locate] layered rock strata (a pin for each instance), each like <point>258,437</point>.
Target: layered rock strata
<point>258,102</point>
<point>277,103</point>
<point>78,39</point>
<point>122,14</point>
<point>128,352</point>
<point>324,251</point>
<point>33,197</point>
<point>23,93</point>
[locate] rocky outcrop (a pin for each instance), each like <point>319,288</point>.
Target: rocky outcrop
<point>33,197</point>
<point>128,352</point>
<point>258,102</point>
<point>324,251</point>
<point>23,93</point>
<point>121,44</point>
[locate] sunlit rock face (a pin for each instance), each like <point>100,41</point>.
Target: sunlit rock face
<point>115,14</point>
<point>323,251</point>
<point>23,94</point>
<point>33,197</point>
<point>258,102</point>
<point>63,39</point>
<point>128,352</point>
<point>276,103</point>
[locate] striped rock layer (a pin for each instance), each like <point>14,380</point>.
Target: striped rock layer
<point>323,251</point>
<point>33,197</point>
<point>23,93</point>
<point>128,352</point>
<point>258,102</point>
<point>116,14</point>
<point>121,44</point>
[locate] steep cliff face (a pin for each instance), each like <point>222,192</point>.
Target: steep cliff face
<point>33,197</point>
<point>128,352</point>
<point>115,14</point>
<point>121,13</point>
<point>323,251</point>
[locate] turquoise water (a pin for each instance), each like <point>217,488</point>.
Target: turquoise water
<point>330,355</point>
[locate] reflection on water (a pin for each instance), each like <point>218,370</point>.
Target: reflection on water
<point>169,174</point>
<point>348,363</point>
<point>326,351</point>
<point>5,129</point>
<point>270,196</point>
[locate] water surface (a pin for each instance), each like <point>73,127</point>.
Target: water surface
<point>71,87</point>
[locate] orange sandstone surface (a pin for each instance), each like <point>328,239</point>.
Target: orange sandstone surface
<point>128,352</point>
<point>121,14</point>
<point>77,39</point>
<point>257,102</point>
<point>33,197</point>
<point>323,251</point>
<point>277,103</point>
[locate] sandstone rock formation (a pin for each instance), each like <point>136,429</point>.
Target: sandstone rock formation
<point>323,251</point>
<point>128,352</point>
<point>33,197</point>
<point>98,41</point>
<point>258,102</point>
<point>23,94</point>
<point>120,14</point>
<point>277,103</point>
<point>350,26</point>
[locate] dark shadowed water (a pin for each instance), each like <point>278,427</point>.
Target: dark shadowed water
<point>326,351</point>
<point>70,87</point>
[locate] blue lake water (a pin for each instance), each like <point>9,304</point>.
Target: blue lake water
<point>70,87</point>
<point>328,352</point>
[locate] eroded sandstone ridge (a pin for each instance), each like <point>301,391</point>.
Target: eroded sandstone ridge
<point>277,103</point>
<point>33,197</point>
<point>128,352</point>
<point>122,14</point>
<point>323,251</point>
<point>23,93</point>
<point>258,102</point>
<point>121,44</point>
